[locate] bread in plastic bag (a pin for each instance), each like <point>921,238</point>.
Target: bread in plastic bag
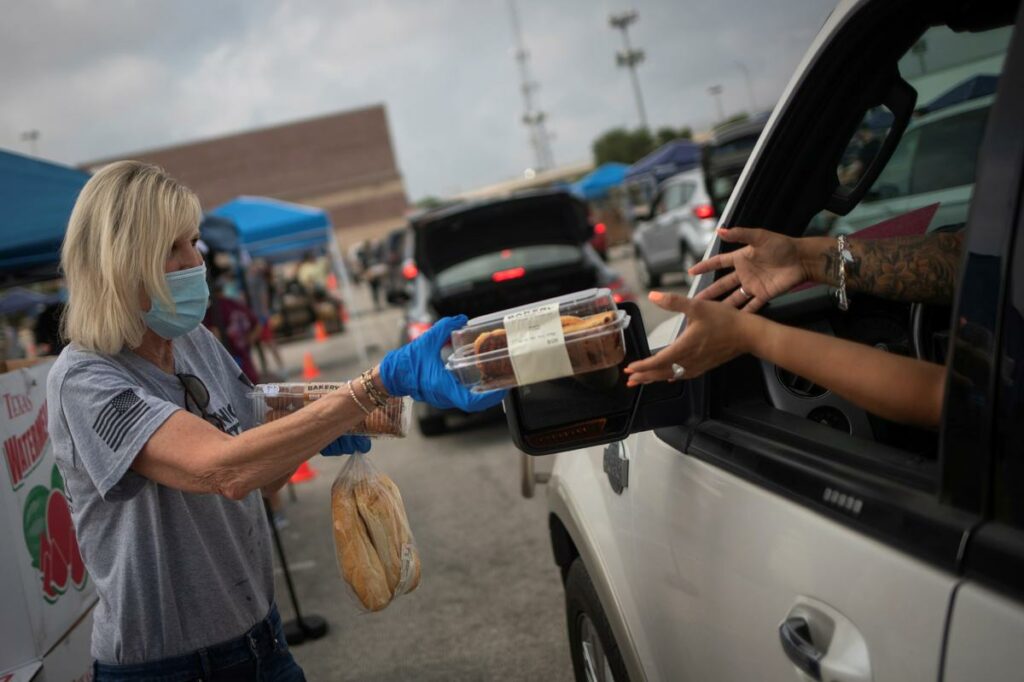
<point>376,552</point>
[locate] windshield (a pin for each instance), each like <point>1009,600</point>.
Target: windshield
<point>508,264</point>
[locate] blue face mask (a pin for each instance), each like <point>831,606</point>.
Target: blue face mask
<point>190,294</point>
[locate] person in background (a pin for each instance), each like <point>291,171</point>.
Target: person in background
<point>158,445</point>
<point>47,329</point>
<point>262,292</point>
<point>235,325</point>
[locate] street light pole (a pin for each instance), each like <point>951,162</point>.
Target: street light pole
<point>30,136</point>
<point>630,58</point>
<point>716,93</point>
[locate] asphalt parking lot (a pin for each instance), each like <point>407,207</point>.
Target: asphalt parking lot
<point>490,604</point>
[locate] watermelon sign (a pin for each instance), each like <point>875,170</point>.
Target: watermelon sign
<point>50,539</point>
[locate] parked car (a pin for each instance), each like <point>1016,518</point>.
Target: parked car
<point>481,257</point>
<point>934,163</point>
<point>679,230</point>
<point>749,525</point>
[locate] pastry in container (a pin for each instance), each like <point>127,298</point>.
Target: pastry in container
<point>573,334</point>
<point>273,401</point>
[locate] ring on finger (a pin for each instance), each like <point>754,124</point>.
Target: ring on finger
<point>744,292</point>
<point>677,371</point>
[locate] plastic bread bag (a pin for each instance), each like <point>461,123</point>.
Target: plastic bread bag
<point>376,553</point>
<point>273,401</point>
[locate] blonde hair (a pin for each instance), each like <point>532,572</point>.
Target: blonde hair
<point>122,229</point>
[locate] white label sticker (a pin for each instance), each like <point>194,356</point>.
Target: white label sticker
<point>536,345</point>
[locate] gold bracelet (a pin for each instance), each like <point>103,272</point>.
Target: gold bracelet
<point>378,398</point>
<point>352,393</point>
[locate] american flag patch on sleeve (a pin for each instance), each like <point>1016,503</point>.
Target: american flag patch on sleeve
<point>118,417</point>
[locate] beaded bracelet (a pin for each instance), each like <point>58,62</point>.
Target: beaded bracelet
<point>374,393</point>
<point>358,402</point>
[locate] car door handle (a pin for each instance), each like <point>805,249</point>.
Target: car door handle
<point>795,635</point>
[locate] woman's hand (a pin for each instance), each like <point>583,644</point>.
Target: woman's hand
<point>416,369</point>
<point>770,265</point>
<point>715,333</point>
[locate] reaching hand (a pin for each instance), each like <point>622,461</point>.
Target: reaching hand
<point>347,445</point>
<point>416,369</point>
<point>715,333</point>
<point>768,266</point>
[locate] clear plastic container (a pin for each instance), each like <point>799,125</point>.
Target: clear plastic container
<point>273,401</point>
<point>572,334</point>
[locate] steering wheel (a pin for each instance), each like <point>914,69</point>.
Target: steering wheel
<point>929,331</point>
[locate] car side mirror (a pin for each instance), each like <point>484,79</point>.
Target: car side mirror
<point>597,407</point>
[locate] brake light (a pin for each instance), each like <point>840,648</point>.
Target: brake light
<point>619,291</point>
<point>417,329</point>
<point>409,270</point>
<point>511,273</point>
<point>704,211</point>
<point>600,228</point>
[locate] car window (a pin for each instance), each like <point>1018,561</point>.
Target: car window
<point>955,77</point>
<point>508,264</point>
<point>686,190</point>
<point>670,198</point>
<point>947,152</point>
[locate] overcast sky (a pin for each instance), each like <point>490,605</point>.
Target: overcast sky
<point>101,78</point>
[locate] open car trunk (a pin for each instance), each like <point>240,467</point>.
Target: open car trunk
<point>456,234</point>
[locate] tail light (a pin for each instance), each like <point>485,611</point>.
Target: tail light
<point>409,270</point>
<point>704,211</point>
<point>619,291</point>
<point>417,329</point>
<point>600,228</point>
<point>505,275</point>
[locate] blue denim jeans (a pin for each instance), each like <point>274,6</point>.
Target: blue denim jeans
<point>260,654</point>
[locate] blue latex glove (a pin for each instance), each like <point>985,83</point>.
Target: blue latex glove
<point>347,445</point>
<point>416,369</point>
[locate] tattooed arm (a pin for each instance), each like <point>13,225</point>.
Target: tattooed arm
<point>916,269</point>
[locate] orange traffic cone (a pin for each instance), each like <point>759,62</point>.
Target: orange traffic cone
<point>319,331</point>
<point>332,282</point>
<point>304,473</point>
<point>309,369</point>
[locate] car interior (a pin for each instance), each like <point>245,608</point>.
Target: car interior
<point>857,131</point>
<point>823,158</point>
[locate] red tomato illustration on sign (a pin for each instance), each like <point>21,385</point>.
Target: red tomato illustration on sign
<point>51,541</point>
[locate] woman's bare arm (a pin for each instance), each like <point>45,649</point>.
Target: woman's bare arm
<point>892,386</point>
<point>188,453</point>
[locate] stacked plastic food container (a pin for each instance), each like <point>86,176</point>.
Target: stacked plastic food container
<point>572,334</point>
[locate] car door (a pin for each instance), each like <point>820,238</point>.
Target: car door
<point>986,626</point>
<point>790,535</point>
<point>663,236</point>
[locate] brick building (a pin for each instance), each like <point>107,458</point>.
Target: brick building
<point>343,163</point>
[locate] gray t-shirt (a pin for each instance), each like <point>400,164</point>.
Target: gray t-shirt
<point>174,571</point>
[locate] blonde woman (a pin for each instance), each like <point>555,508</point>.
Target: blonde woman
<point>154,436</point>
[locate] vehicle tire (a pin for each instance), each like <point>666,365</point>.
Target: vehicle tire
<point>433,425</point>
<point>648,279</point>
<point>595,654</point>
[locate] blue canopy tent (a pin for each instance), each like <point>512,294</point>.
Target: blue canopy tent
<point>668,159</point>
<point>36,198</point>
<point>275,230</point>
<point>599,181</point>
<point>278,231</point>
<point>979,85</point>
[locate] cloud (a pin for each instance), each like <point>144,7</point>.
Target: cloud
<point>100,79</point>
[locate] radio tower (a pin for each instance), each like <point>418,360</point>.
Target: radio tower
<point>533,119</point>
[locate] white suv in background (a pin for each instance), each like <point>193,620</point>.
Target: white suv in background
<point>679,230</point>
<point>748,525</point>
